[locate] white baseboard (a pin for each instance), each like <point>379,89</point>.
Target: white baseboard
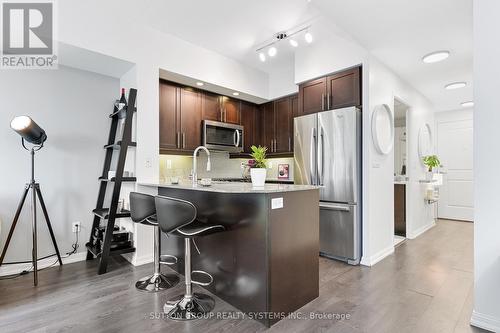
<point>421,230</point>
<point>18,268</point>
<point>485,322</point>
<point>372,260</point>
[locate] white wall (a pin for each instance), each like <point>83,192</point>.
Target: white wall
<point>486,160</point>
<point>73,107</point>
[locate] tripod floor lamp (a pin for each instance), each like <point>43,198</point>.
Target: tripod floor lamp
<point>31,133</point>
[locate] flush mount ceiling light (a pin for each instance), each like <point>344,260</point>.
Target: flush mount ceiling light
<point>455,85</point>
<point>467,104</point>
<point>272,51</point>
<point>308,37</point>
<point>236,93</point>
<point>199,84</point>
<point>435,57</point>
<point>270,46</point>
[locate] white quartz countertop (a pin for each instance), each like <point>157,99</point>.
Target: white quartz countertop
<point>229,187</point>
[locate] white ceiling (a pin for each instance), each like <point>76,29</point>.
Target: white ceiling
<point>397,32</point>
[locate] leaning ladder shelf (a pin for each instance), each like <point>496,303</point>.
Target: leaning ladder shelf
<point>109,214</point>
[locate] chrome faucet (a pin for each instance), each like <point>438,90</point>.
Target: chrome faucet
<point>195,163</point>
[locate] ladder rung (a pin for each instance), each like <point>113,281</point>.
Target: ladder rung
<point>124,179</point>
<point>112,250</point>
<point>103,213</point>
<point>118,144</point>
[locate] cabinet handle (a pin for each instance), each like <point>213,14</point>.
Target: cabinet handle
<point>322,101</point>
<point>328,100</point>
<point>178,140</point>
<point>183,140</point>
<point>272,146</point>
<point>275,145</point>
<point>289,143</point>
<point>225,115</point>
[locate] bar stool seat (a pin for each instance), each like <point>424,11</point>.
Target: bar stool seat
<point>143,211</point>
<point>179,218</point>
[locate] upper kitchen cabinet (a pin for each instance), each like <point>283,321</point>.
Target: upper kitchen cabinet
<point>312,96</point>
<point>180,118</point>
<point>211,106</point>
<point>344,89</point>
<point>190,114</point>
<point>169,117</point>
<point>230,110</point>
<point>249,121</point>
<point>283,113</point>
<point>338,90</point>
<point>267,126</point>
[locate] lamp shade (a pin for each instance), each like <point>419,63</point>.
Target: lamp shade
<point>28,129</point>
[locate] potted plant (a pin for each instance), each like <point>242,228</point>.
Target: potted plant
<point>431,162</point>
<point>258,166</point>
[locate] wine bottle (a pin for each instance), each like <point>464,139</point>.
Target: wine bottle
<point>123,101</point>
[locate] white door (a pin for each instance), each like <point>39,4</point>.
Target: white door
<point>454,145</point>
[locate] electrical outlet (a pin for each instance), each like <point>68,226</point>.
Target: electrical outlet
<point>169,164</point>
<point>148,162</point>
<point>270,165</point>
<point>76,227</point>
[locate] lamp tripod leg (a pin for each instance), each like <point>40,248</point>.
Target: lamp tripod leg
<point>14,223</point>
<point>34,253</point>
<point>47,219</point>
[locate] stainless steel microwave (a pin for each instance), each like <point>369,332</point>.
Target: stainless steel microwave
<point>223,136</point>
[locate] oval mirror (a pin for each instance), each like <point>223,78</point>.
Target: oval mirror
<point>425,144</point>
<point>383,129</point>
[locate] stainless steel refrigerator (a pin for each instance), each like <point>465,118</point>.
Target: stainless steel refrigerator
<point>327,152</point>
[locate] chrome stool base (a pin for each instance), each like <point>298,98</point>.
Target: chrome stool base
<point>157,282</point>
<point>192,307</point>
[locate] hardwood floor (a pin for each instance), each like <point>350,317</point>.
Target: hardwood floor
<point>426,286</point>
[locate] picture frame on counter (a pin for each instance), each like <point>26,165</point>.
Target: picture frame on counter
<point>283,171</point>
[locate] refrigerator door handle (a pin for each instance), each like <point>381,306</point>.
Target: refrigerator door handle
<point>329,206</point>
<point>312,157</point>
<point>321,157</point>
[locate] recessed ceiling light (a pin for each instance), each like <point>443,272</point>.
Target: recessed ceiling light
<point>236,93</point>
<point>294,43</point>
<point>455,85</point>
<point>262,56</point>
<point>308,37</point>
<point>199,84</point>
<point>272,51</point>
<point>435,56</point>
<point>467,104</point>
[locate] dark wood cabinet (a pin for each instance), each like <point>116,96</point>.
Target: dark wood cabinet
<point>211,106</point>
<point>190,113</point>
<point>400,209</point>
<point>344,89</point>
<point>249,121</point>
<point>338,90</point>
<point>283,113</point>
<point>267,126</point>
<point>230,110</point>
<point>180,117</point>
<point>169,117</point>
<point>312,96</point>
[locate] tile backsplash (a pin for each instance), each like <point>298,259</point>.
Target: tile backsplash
<point>222,166</point>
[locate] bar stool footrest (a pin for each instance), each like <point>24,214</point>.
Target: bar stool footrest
<point>167,259</point>
<point>202,273</point>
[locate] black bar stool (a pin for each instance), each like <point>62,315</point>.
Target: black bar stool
<point>179,218</point>
<point>142,210</point>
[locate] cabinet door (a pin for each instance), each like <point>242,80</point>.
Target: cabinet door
<point>312,96</point>
<point>250,126</point>
<point>169,117</point>
<point>267,126</point>
<point>190,112</point>
<point>344,89</point>
<point>283,135</point>
<point>231,110</point>
<point>211,106</point>
<point>295,106</point>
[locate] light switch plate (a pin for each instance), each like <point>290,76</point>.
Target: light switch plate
<point>276,203</point>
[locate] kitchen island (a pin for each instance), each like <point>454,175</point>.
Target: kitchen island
<point>266,262</point>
